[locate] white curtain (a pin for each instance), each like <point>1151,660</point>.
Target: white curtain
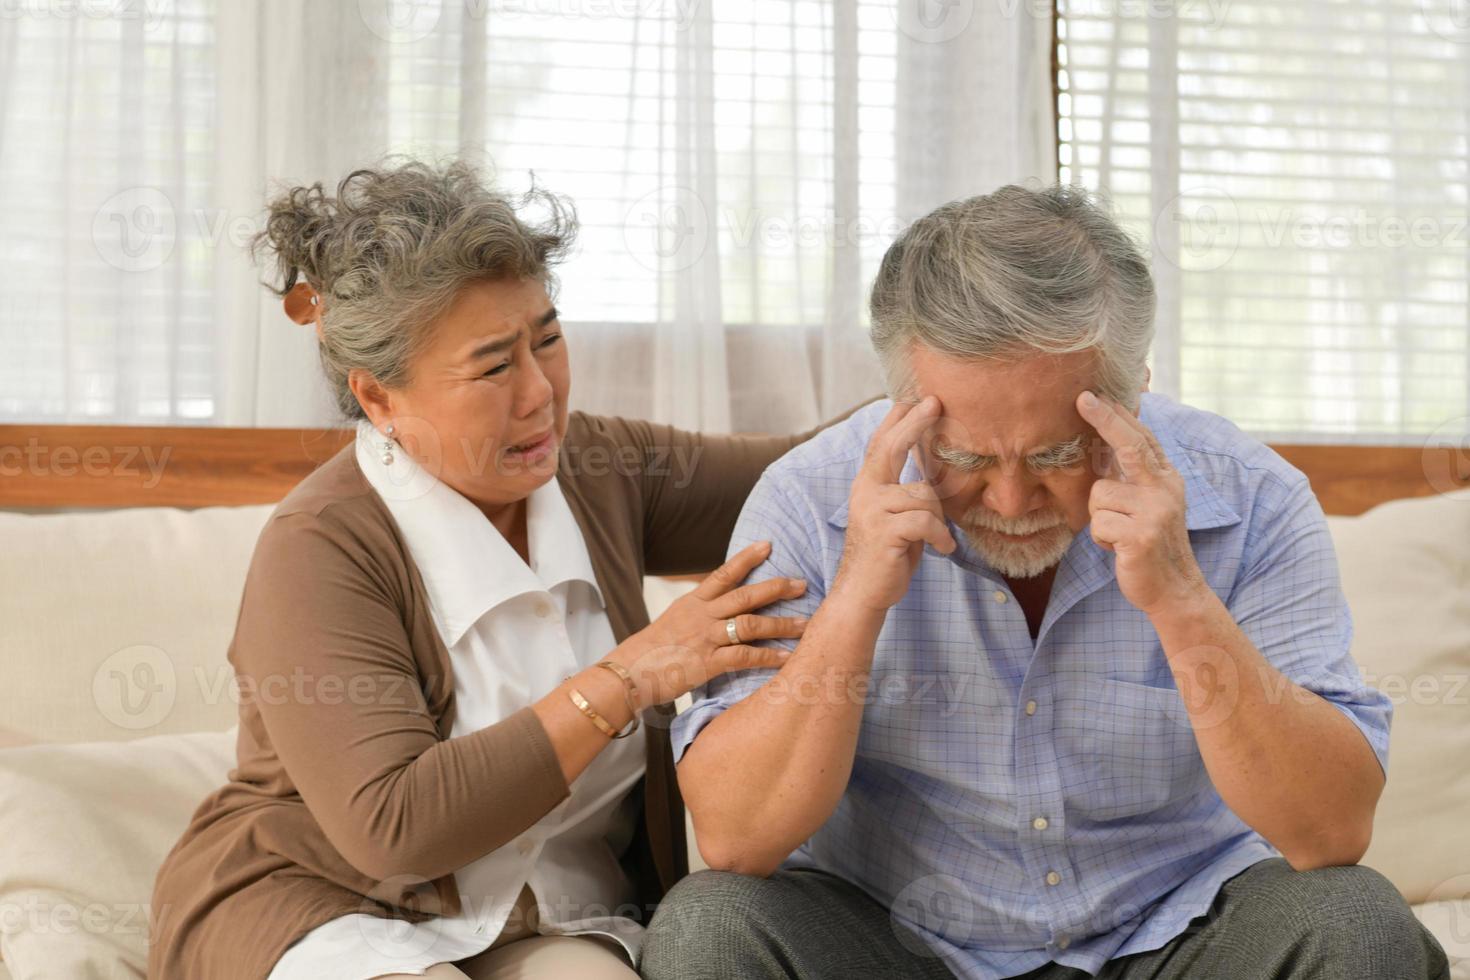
<point>739,168</point>
<point>1299,171</point>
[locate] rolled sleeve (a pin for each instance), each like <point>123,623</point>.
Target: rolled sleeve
<point>772,513</point>
<point>1290,604</point>
<point>709,704</point>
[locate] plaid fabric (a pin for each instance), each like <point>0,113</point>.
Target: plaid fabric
<point>1017,802</point>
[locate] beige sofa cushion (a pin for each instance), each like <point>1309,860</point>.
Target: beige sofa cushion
<point>116,623</point>
<point>1405,568</point>
<point>83,829</point>
<point>1450,923</point>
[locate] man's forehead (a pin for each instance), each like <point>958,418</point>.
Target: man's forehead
<point>1000,407</point>
<point>1022,431</point>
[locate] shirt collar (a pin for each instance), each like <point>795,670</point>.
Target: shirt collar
<point>1205,508</point>
<point>558,552</point>
<point>467,566</point>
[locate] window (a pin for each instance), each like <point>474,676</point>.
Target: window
<point>733,166</point>
<point>106,288</point>
<point>1299,172</point>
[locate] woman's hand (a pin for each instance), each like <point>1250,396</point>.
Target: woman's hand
<point>690,642</point>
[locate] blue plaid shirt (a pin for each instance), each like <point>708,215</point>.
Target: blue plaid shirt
<point>1017,801</point>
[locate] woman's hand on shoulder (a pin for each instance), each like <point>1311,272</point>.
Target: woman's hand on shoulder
<point>691,642</point>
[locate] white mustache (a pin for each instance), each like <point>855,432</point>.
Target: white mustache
<point>988,521</point>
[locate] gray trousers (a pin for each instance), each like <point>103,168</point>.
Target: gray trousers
<point>1266,922</point>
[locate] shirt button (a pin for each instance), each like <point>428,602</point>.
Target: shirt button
<point>1063,942</point>
<point>1052,878</point>
<point>999,596</point>
<point>1039,823</point>
<point>1031,707</point>
<point>543,608</point>
<point>525,847</point>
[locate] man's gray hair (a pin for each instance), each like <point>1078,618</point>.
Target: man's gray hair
<point>390,250</point>
<point>1012,274</point>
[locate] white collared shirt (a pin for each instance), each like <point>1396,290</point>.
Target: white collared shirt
<point>513,630</point>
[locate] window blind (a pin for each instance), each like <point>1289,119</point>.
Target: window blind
<point>1298,170</point>
<point>600,107</point>
<point>105,273</point>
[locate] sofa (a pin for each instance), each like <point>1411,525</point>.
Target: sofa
<point>117,705</point>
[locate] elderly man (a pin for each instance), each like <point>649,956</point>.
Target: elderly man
<point>1075,698</point>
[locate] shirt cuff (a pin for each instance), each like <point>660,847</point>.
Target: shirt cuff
<point>691,723</point>
<point>1376,735</point>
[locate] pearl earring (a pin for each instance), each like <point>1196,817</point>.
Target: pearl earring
<point>388,447</point>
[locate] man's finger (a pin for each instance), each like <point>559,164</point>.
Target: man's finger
<point>917,526</point>
<point>1136,453</point>
<point>1109,527</point>
<point>889,452</point>
<point>1131,421</point>
<point>1114,495</point>
<point>909,496</point>
<point>899,410</point>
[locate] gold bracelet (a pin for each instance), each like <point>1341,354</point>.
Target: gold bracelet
<point>597,719</point>
<point>630,687</point>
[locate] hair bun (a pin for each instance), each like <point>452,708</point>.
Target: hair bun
<point>299,230</point>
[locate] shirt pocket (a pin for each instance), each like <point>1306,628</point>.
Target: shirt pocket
<point>1125,749</point>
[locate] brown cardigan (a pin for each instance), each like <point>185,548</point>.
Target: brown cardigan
<point>349,796</point>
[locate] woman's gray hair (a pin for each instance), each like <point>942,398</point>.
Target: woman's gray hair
<point>1015,273</point>
<point>390,250</point>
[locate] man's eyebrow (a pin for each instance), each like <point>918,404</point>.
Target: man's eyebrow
<point>943,446</point>
<point>501,344</point>
<point>1066,445</point>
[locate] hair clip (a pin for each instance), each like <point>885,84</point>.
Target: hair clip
<point>303,304</point>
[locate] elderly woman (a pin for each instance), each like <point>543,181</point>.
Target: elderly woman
<point>442,648</point>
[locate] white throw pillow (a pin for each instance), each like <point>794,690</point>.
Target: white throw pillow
<point>1405,568</point>
<point>83,830</point>
<point>115,625</point>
